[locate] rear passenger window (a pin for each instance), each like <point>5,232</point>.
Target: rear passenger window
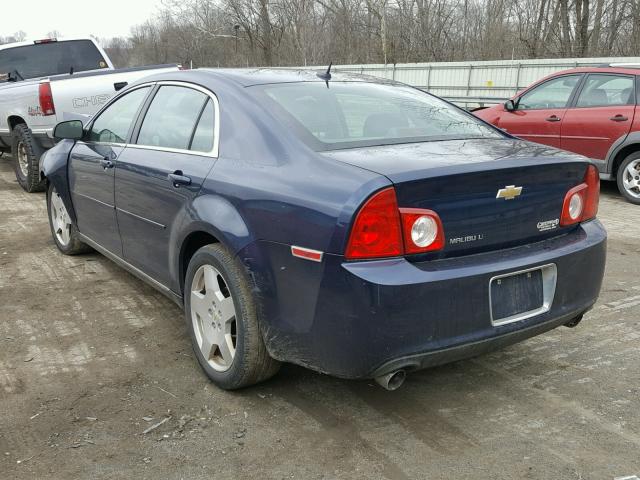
<point>203,136</point>
<point>171,117</point>
<point>606,90</point>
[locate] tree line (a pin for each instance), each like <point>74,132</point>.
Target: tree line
<point>315,32</point>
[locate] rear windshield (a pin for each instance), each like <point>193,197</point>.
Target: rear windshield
<point>355,114</point>
<point>54,58</point>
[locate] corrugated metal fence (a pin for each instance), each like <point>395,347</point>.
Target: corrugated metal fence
<point>477,83</point>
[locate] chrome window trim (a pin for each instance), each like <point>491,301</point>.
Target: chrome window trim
<point>549,281</point>
<point>216,128</point>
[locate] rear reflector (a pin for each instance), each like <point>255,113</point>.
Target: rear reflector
<point>306,253</point>
<point>46,99</point>
<point>581,202</point>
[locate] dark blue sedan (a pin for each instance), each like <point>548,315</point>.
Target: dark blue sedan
<point>358,227</point>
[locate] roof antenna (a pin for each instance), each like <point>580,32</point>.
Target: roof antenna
<point>326,76</point>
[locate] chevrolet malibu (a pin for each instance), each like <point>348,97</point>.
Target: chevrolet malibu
<point>358,227</point>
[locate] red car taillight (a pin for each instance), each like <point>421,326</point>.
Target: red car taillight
<point>381,229</point>
<point>376,231</point>
<point>46,99</point>
<point>581,202</point>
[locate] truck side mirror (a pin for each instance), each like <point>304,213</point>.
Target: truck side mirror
<point>509,105</point>
<point>71,129</point>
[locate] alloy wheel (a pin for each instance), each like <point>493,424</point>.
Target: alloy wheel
<point>60,219</point>
<point>214,317</point>
<point>631,178</point>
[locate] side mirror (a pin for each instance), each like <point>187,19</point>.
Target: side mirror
<point>71,129</point>
<point>509,105</point>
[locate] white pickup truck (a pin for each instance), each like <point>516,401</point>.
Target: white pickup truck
<point>44,82</point>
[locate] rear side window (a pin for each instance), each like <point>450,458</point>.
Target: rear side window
<point>113,124</point>
<point>54,58</point>
<point>551,94</point>
<point>203,136</point>
<point>607,90</point>
<point>171,117</point>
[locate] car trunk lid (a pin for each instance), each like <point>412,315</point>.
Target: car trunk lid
<point>489,194</point>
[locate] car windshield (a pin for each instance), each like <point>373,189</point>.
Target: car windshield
<point>53,58</point>
<point>357,114</point>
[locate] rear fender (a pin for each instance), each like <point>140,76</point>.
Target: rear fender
<point>53,167</point>
<point>211,214</point>
<point>622,143</point>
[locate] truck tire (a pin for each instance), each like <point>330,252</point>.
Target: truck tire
<point>26,159</point>
<point>628,178</point>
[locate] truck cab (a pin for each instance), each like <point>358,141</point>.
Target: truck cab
<point>44,82</point>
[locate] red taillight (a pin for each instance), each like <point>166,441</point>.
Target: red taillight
<point>46,99</point>
<point>376,231</point>
<point>381,229</point>
<point>581,202</point>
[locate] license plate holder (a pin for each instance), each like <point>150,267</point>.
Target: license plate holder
<point>523,294</point>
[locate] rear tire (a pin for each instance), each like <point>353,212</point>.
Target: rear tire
<point>64,232</point>
<point>26,159</point>
<point>628,178</point>
<point>222,320</point>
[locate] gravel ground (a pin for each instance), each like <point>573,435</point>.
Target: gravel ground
<point>91,359</point>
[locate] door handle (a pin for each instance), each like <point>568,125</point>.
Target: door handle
<point>177,178</point>
<point>553,118</point>
<point>119,85</point>
<point>619,118</point>
<point>106,163</point>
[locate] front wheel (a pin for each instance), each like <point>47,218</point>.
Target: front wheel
<point>222,320</point>
<point>63,231</point>
<point>629,178</point>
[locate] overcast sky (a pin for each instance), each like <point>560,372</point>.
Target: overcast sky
<point>111,18</point>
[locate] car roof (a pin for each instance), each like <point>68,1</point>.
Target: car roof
<point>631,69</point>
<point>261,76</point>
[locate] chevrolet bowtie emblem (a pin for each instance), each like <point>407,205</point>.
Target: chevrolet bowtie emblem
<point>509,192</point>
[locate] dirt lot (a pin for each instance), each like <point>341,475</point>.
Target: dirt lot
<point>90,358</point>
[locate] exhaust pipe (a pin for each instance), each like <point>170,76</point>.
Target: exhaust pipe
<point>573,322</point>
<point>392,381</point>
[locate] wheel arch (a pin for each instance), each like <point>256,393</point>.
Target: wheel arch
<point>209,219</point>
<point>14,120</point>
<point>619,150</point>
<point>191,244</point>
<point>623,153</point>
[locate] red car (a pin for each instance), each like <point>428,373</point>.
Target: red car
<point>591,111</point>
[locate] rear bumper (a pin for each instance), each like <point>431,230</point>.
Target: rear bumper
<point>446,355</point>
<point>363,319</point>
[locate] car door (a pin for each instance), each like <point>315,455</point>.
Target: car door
<point>540,110</point>
<point>603,113</point>
<point>161,172</point>
<point>91,169</point>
